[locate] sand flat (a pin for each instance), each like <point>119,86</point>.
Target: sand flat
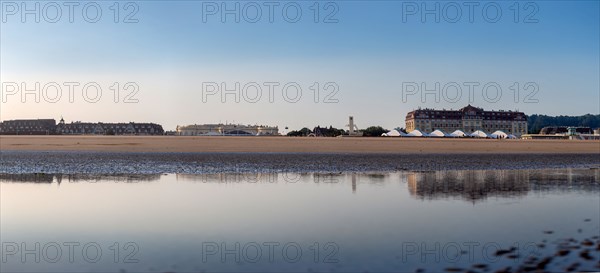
<point>294,145</point>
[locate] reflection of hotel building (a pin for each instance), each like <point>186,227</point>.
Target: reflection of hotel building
<point>474,185</point>
<point>227,129</point>
<point>467,119</point>
<point>468,184</point>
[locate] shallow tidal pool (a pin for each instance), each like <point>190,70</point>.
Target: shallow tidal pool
<point>454,221</point>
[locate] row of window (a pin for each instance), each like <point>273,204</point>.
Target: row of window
<point>19,124</point>
<point>469,129</point>
<point>151,130</point>
<point>25,127</point>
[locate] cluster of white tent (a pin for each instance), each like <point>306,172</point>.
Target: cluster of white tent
<point>457,133</point>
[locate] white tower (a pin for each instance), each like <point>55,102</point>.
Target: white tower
<point>352,126</point>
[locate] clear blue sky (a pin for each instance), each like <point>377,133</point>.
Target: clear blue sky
<point>368,53</point>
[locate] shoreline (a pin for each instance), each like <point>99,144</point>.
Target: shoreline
<point>305,145</point>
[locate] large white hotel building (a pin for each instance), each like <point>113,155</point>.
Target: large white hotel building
<point>467,119</point>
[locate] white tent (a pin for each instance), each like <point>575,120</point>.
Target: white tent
<point>499,134</point>
<point>478,133</point>
<point>437,133</point>
<point>394,133</point>
<point>457,133</point>
<point>511,137</point>
<point>416,133</point>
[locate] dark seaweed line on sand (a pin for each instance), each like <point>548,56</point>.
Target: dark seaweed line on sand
<point>55,162</point>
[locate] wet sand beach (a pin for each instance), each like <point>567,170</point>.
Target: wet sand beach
<point>91,162</point>
<point>362,145</point>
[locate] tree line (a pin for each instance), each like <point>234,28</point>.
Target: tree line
<point>372,131</point>
<point>536,122</point>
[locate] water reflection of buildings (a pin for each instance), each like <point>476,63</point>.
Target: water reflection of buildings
<point>476,185</point>
<point>277,177</point>
<point>31,178</point>
<point>229,177</point>
<point>74,178</point>
<point>471,185</point>
<point>264,177</point>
